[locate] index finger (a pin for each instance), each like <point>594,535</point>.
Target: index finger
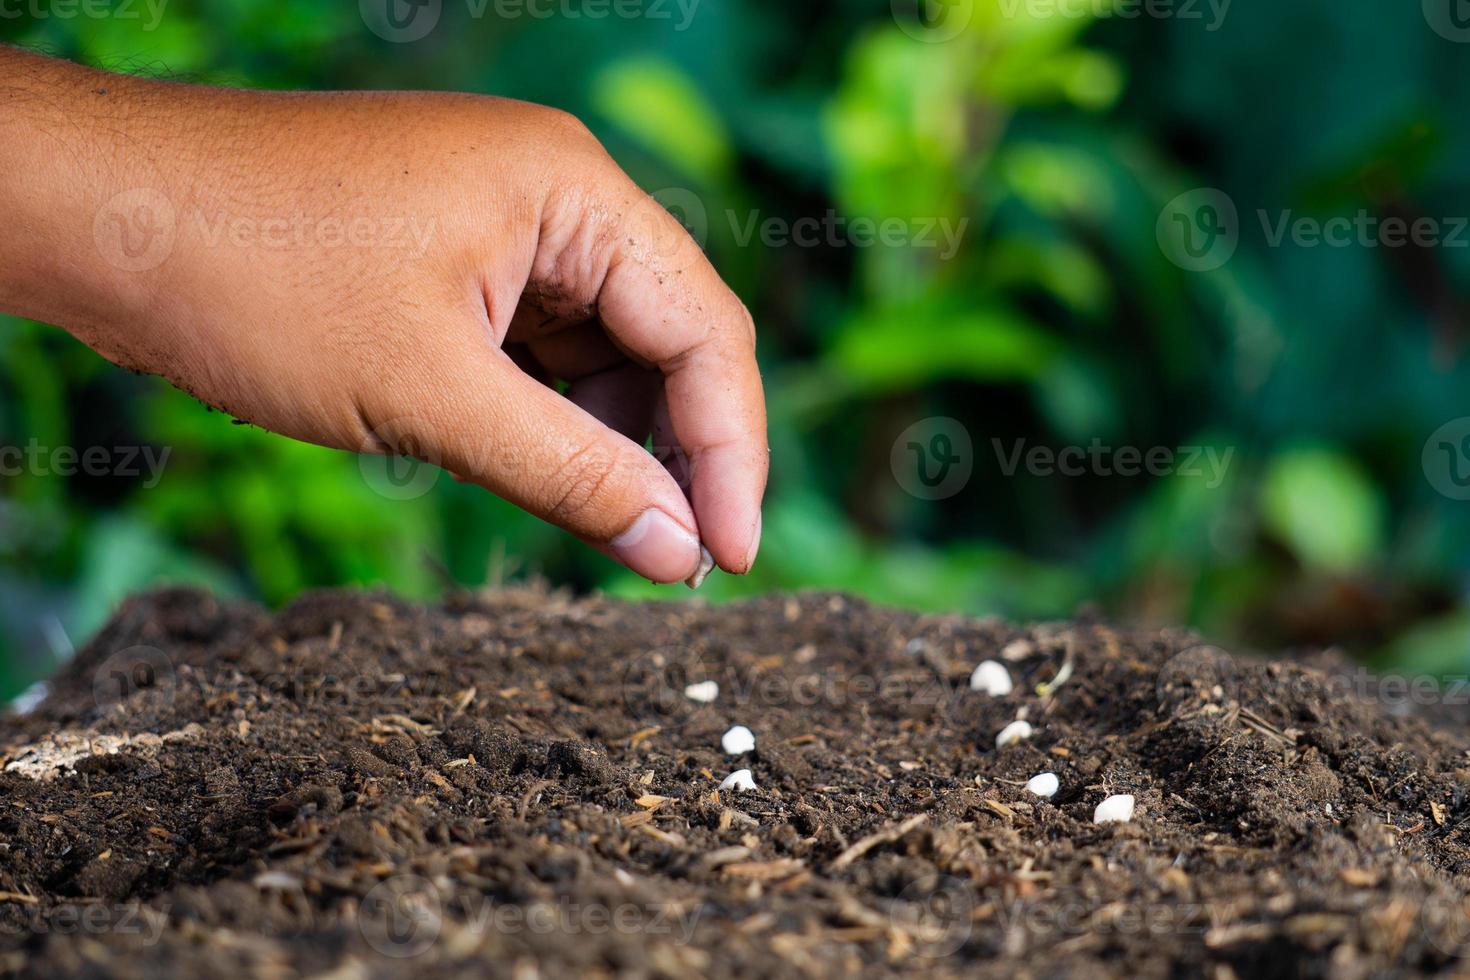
<point>664,303</point>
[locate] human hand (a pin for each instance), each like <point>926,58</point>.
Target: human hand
<point>399,272</point>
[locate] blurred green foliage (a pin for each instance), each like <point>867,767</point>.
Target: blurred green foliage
<point>1049,143</point>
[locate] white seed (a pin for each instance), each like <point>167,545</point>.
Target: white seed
<point>281,881</point>
<point>704,692</point>
<point>1017,650</point>
<point>737,740</point>
<point>1044,785</point>
<point>1114,809</point>
<point>1013,732</point>
<point>706,565</point>
<point>739,780</point>
<point>992,678</point>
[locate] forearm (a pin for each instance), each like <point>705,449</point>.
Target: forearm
<point>74,140</point>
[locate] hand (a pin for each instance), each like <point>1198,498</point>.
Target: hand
<point>392,272</point>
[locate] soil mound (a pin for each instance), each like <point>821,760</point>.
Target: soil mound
<point>523,784</point>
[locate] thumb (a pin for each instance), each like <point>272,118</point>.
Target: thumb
<point>491,424</point>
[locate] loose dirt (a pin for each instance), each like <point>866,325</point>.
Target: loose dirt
<point>515,784</point>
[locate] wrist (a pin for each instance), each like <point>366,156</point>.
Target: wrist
<point>89,228</point>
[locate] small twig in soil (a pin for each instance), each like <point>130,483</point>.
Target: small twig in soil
<point>886,836</point>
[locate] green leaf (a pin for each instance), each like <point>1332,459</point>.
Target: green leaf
<point>657,104</point>
<point>1322,505</point>
<point>912,346</point>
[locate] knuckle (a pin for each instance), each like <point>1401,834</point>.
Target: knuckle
<point>582,487</point>
<point>747,325</point>
<point>569,129</point>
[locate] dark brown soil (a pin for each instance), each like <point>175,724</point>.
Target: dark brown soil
<point>515,784</point>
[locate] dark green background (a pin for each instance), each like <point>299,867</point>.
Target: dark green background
<point>1060,320</point>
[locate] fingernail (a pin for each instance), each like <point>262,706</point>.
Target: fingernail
<point>657,547</point>
<point>755,544</point>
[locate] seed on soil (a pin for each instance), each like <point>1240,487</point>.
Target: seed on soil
<point>704,691</point>
<point>1017,650</point>
<point>1013,732</point>
<point>737,741</point>
<point>992,678</point>
<point>1114,809</point>
<point>739,781</point>
<point>1044,784</point>
<point>706,565</point>
<point>277,881</point>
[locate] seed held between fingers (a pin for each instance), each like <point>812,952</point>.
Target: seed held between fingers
<point>706,565</point>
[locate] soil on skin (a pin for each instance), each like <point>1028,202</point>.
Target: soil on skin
<point>516,784</point>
